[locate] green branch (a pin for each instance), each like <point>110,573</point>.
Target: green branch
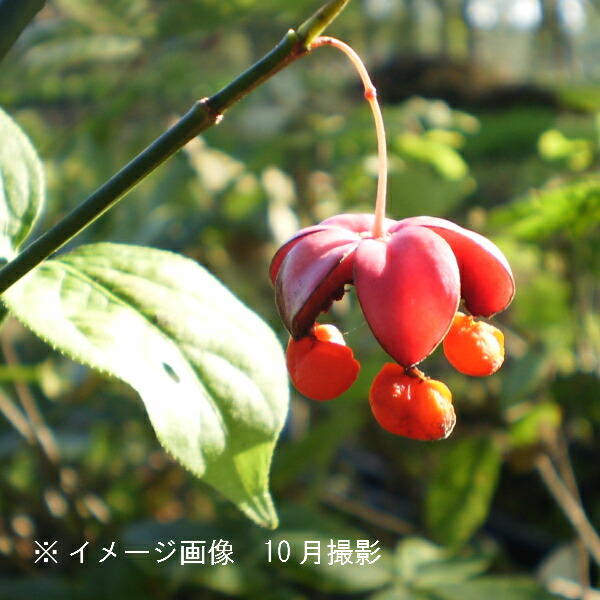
<point>316,25</point>
<point>204,114</point>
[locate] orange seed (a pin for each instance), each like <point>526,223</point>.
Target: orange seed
<point>320,364</point>
<point>474,347</point>
<point>407,403</point>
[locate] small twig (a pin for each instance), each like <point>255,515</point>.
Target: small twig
<point>563,464</point>
<point>570,506</point>
<point>30,423</point>
<point>565,468</point>
<point>374,516</point>
<point>570,589</point>
<point>37,424</point>
<point>15,417</point>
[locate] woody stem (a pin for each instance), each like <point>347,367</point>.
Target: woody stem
<point>371,97</point>
<point>204,114</point>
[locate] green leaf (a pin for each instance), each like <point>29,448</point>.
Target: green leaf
<point>315,451</point>
<point>101,18</point>
<point>412,554</point>
<point>421,564</point>
<point>21,186</point>
<point>399,592</point>
<point>452,570</point>
<point>533,426</point>
<point>72,53</point>
<point>522,378</point>
<point>578,153</point>
<point>571,210</point>
<point>446,161</point>
<point>14,18</point>
<point>461,490</point>
<point>210,372</point>
<point>507,588</point>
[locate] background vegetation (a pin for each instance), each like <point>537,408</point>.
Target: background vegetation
<point>492,111</point>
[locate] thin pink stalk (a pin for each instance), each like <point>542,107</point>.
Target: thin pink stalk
<point>371,97</point>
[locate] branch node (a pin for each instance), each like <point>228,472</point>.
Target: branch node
<point>215,116</point>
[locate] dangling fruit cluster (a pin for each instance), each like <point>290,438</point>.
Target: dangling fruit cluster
<point>410,283</point>
<point>410,277</point>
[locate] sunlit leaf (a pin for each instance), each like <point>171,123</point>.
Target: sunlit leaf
<point>21,186</point>
<point>74,52</point>
<point>532,427</point>
<point>99,17</point>
<point>572,209</point>
<point>443,158</point>
<point>578,153</point>
<point>210,372</point>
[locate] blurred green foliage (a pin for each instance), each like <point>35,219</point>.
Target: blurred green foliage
<point>92,83</point>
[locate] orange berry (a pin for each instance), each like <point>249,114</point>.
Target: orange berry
<point>409,404</point>
<point>474,347</point>
<point>320,364</point>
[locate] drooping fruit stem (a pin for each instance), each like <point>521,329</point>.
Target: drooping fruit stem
<point>371,97</point>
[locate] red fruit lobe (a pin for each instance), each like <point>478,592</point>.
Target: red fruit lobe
<point>409,288</point>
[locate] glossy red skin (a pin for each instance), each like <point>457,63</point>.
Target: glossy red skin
<point>312,275</point>
<point>487,284</point>
<point>409,281</point>
<point>409,290</point>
